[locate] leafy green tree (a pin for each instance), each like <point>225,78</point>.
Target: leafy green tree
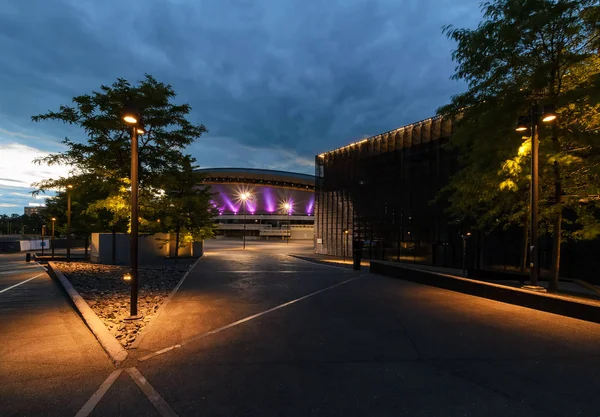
<point>100,166</point>
<point>524,52</point>
<point>184,208</point>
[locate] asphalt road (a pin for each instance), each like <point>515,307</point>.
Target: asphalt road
<point>50,363</point>
<point>369,346</point>
<point>260,333</point>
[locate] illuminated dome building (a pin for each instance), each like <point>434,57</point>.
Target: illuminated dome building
<point>270,204</point>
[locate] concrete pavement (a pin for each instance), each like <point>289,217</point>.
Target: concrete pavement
<point>371,346</point>
<point>261,333</point>
<point>50,363</point>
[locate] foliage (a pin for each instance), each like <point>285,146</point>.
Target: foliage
<point>100,166</point>
<point>527,51</point>
<point>16,224</point>
<point>183,208</point>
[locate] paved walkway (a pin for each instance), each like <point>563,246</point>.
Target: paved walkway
<point>50,363</point>
<point>358,345</point>
<point>261,333</point>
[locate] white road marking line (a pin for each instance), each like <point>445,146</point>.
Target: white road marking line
<point>20,283</point>
<point>143,334</point>
<point>17,270</point>
<point>235,323</point>
<point>157,401</point>
<point>267,271</point>
<point>88,407</point>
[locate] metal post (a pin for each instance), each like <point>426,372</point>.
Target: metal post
<point>534,255</point>
<point>68,225</point>
<point>133,247</point>
<point>287,235</point>
<point>244,235</point>
<point>52,243</point>
<point>43,230</point>
<point>464,257</point>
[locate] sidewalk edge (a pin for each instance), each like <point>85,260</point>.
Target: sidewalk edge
<point>550,303</point>
<point>111,345</point>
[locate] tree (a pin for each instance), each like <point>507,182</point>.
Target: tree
<point>523,52</point>
<point>100,166</point>
<point>184,208</point>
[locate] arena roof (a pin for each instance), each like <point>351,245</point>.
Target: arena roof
<point>266,177</point>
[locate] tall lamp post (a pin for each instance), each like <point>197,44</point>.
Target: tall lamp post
<point>244,197</point>
<point>69,189</point>
<point>131,117</point>
<point>525,123</point>
<point>288,208</point>
<point>52,243</point>
<point>43,232</point>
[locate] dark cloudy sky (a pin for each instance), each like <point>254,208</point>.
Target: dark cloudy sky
<point>275,81</point>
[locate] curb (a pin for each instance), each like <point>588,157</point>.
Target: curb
<point>551,303</point>
<point>325,263</point>
<point>111,345</point>
<point>144,332</point>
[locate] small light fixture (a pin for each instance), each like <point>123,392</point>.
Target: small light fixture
<point>523,123</point>
<point>140,129</point>
<point>53,219</point>
<point>127,277</point>
<point>549,113</point>
<point>70,186</point>
<point>130,115</point>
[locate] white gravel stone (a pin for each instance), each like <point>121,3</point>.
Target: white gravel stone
<point>108,295</point>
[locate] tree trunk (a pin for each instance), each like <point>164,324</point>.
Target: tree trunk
<point>556,238</point>
<point>177,241</point>
<point>525,244</point>
<point>557,223</point>
<point>556,241</point>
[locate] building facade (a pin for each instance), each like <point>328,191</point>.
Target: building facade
<point>379,191</point>
<point>31,210</point>
<point>280,204</point>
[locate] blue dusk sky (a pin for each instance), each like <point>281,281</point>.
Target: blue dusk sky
<point>275,81</point>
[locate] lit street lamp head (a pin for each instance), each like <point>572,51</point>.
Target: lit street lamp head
<point>53,219</point>
<point>140,130</point>
<point>523,124</point>
<point>130,115</point>
<point>70,186</point>
<point>549,113</point>
<point>130,119</point>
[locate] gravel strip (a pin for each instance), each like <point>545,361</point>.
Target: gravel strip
<point>107,294</point>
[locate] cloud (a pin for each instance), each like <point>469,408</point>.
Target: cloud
<point>276,82</point>
<point>17,173</point>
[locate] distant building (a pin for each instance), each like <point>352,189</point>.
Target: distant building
<point>280,204</point>
<point>31,210</point>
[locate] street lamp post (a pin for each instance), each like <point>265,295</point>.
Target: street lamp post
<point>288,207</point>
<point>69,188</point>
<point>345,244</point>
<point>43,231</point>
<point>244,196</point>
<point>531,122</point>
<point>465,236</point>
<point>131,117</point>
<point>52,243</point>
